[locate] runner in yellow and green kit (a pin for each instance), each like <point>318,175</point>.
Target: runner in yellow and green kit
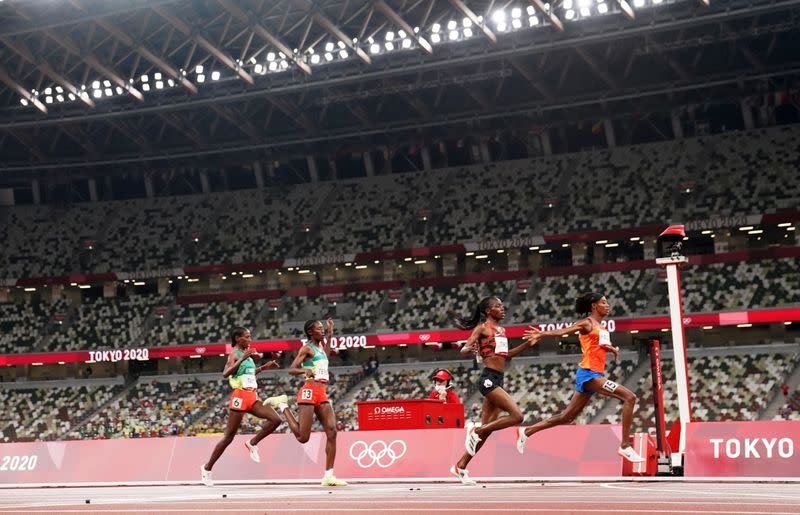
<point>241,371</point>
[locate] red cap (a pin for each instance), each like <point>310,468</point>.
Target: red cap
<point>443,375</point>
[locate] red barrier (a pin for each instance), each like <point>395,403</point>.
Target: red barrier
<point>567,451</point>
<point>409,414</point>
<point>743,449</point>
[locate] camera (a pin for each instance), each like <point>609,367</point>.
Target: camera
<point>672,241</point>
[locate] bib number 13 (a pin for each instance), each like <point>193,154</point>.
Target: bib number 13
<point>306,394</point>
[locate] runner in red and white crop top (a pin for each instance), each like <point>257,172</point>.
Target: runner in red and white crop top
<point>489,343</point>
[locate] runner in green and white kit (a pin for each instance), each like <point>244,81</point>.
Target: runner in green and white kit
<point>312,363</point>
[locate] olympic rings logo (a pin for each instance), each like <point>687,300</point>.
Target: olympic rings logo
<point>378,452</point>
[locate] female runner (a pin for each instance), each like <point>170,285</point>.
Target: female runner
<point>241,371</point>
<point>589,378</point>
<point>312,363</point>
<point>488,340</point>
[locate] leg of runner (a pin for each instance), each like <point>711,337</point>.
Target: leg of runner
<point>234,421</point>
<point>573,409</point>
<point>489,413</point>
<point>327,418</point>
<point>609,388</point>
<point>273,420</point>
<point>301,429</point>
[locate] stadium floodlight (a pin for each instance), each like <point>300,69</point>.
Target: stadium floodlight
<point>436,28</point>
<point>71,96</point>
<point>48,91</point>
<point>435,38</point>
<point>389,36</point>
<point>502,27</point>
<point>638,3</point>
<point>531,11</point>
<point>516,13</point>
<point>389,46</point>
<point>499,16</point>
<point>96,84</point>
<point>119,90</point>
<point>107,83</point>
<point>451,25</point>
<point>97,93</point>
<point>271,56</point>
<point>197,69</point>
<point>534,20</point>
<point>341,44</point>
<point>567,5</point>
<point>59,89</point>
<point>585,12</point>
<point>328,56</point>
<point>159,84</point>
<point>201,78</point>
<point>406,43</point>
<point>145,87</point>
<point>48,100</point>
<point>157,76</point>
<point>570,14</point>
<point>329,46</point>
<point>215,75</point>
<point>516,23</point>
<point>258,68</point>
<point>343,54</point>
<point>285,64</point>
<point>468,32</point>
<point>314,59</point>
<point>401,33</point>
<point>274,66</point>
<point>109,92</point>
<point>453,35</point>
<point>145,78</point>
<point>466,22</point>
<point>602,8</point>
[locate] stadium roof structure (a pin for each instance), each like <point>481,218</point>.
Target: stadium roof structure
<point>92,83</point>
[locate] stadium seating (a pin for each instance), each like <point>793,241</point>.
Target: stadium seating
<point>106,323</point>
<point>740,285</point>
<point>791,409</point>
<point>721,388</point>
<point>429,307</point>
<point>23,325</point>
<point>49,413</point>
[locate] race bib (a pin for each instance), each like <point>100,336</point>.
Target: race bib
<point>501,345</point>
<point>249,381</point>
<point>605,338</point>
<point>321,372</point>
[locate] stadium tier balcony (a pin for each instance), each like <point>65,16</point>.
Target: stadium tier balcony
<point>769,283</point>
<point>791,409</point>
<point>190,324</point>
<point>106,323</point>
<point>554,297</point>
<point>431,307</point>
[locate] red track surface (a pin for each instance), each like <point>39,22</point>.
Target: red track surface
<point>615,498</point>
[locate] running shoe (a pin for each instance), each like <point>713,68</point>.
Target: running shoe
<point>276,401</point>
<point>333,481</point>
<point>205,476</point>
<point>521,439</point>
<point>462,476</point>
<point>630,454</point>
<point>253,451</point>
<point>472,441</point>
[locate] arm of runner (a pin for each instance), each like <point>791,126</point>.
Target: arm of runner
<point>527,344</point>
<point>233,363</point>
<point>471,344</point>
<point>329,335</point>
<point>267,365</point>
<point>582,326</point>
<point>295,369</point>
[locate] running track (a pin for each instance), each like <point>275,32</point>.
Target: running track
<point>525,497</point>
